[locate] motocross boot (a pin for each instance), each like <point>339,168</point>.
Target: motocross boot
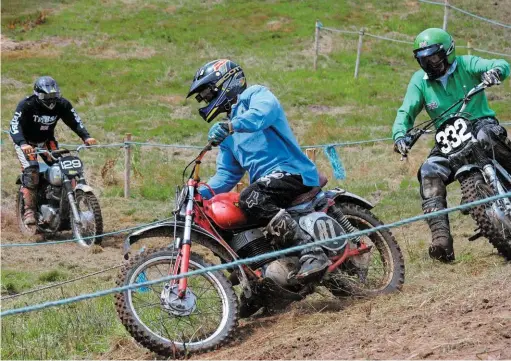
<point>441,243</point>
<point>29,199</point>
<point>313,260</point>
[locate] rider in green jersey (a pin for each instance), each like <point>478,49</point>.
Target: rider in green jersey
<point>443,80</point>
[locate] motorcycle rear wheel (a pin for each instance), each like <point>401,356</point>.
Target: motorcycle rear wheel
<point>207,325</point>
<point>379,271</point>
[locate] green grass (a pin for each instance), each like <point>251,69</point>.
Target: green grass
<point>127,65</point>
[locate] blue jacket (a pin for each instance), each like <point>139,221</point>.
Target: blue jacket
<point>261,144</point>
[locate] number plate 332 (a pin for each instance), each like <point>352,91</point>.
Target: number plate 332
<point>453,134</point>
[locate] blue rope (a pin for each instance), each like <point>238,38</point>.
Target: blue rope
<point>468,13</point>
<point>249,260</point>
<point>8,245</point>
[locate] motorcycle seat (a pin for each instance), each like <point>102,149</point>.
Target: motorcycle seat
<point>307,197</point>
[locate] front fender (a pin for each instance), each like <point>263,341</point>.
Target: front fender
<point>165,229</point>
<point>84,188</point>
<point>466,168</point>
<point>343,196</point>
<point>200,235</point>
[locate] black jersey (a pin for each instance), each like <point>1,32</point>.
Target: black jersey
<point>34,123</point>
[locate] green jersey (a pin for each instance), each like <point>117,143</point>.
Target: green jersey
<point>431,94</point>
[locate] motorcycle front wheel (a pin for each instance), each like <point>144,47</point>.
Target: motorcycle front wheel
<point>203,319</point>
<point>91,220</point>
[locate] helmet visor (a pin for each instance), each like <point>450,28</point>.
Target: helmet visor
<point>49,97</point>
<point>208,94</point>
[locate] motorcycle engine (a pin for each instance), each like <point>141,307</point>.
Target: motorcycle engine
<point>282,270</point>
<point>252,243</point>
<point>49,215</point>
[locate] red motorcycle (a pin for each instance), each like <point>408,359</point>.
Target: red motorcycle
<point>200,312</point>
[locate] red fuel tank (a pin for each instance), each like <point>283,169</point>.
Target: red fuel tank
<point>224,211</point>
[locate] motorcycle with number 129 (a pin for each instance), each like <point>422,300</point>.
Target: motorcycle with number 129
<point>200,312</point>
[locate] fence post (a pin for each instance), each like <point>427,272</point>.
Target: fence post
<point>311,154</point>
<point>127,165</point>
<point>316,44</point>
<point>359,50</point>
<point>446,14</point>
<point>469,48</point>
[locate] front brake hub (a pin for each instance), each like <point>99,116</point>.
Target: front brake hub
<point>178,306</point>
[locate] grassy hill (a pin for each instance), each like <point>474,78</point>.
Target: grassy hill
<point>126,65</point>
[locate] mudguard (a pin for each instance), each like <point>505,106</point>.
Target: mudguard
<point>84,187</point>
<point>343,196</point>
<point>466,168</point>
<point>167,228</point>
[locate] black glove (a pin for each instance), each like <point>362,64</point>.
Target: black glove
<point>491,77</point>
<point>401,147</point>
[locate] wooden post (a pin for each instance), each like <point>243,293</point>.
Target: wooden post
<point>239,187</point>
<point>469,48</point>
<point>446,14</point>
<point>316,44</point>
<point>359,51</point>
<point>311,154</point>
<point>127,165</point>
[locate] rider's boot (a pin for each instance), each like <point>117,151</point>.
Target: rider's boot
<point>313,260</point>
<point>29,199</point>
<point>441,243</point>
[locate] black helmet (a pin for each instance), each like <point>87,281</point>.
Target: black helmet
<point>47,91</point>
<point>218,83</point>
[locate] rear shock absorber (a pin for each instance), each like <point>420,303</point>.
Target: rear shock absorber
<point>345,223</point>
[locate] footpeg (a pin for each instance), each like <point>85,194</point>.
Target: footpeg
<point>475,236</point>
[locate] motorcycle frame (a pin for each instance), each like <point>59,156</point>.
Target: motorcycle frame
<point>195,215</point>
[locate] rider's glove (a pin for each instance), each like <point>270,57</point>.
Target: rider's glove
<point>491,77</point>
<point>27,149</point>
<point>401,147</point>
<point>90,141</point>
<point>219,131</point>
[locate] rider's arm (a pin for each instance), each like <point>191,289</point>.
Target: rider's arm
<point>16,130</point>
<point>228,174</point>
<point>411,107</point>
<point>261,113</point>
<point>476,65</point>
<point>72,120</point>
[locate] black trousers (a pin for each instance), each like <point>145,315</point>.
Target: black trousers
<point>264,198</point>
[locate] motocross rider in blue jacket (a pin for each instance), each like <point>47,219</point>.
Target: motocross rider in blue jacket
<point>256,138</point>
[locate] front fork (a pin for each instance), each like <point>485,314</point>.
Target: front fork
<point>183,258</point>
<point>71,199</point>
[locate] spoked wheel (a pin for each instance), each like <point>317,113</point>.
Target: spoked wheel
<point>167,325</point>
<point>474,188</point>
<point>381,270</point>
<point>91,220</point>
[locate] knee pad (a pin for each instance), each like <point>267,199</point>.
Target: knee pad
<point>30,177</point>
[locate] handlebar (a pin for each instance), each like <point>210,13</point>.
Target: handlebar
<point>413,135</point>
<point>54,153</point>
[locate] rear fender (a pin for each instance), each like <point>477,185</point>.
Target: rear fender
<point>198,234</point>
<point>343,196</point>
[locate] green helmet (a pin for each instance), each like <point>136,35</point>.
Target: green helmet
<point>435,52</point>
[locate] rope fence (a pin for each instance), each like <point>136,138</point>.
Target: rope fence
<point>245,261</point>
<point>447,6</point>
<point>35,290</point>
<point>362,32</point>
